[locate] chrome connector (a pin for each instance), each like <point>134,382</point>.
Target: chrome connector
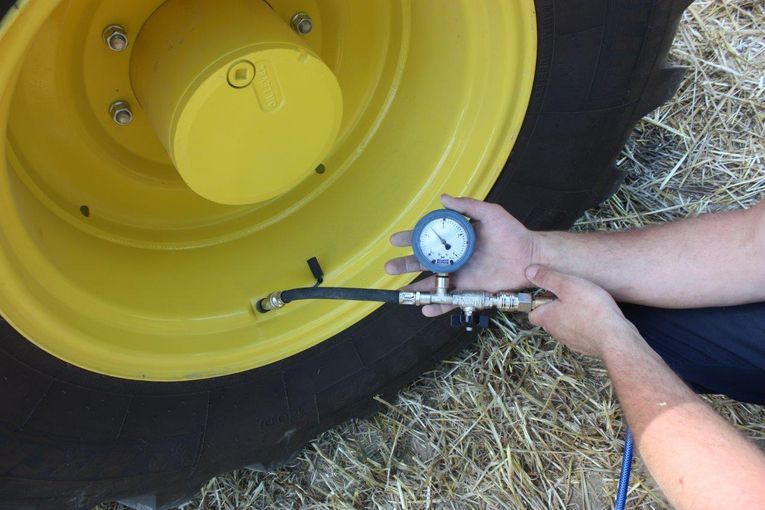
<point>418,298</point>
<point>475,300</point>
<point>271,302</point>
<point>525,302</point>
<point>407,298</point>
<point>442,284</point>
<point>538,301</point>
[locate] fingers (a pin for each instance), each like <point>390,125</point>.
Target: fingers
<point>549,279</point>
<point>538,316</point>
<point>403,265</point>
<point>470,207</point>
<point>426,285</point>
<point>401,239</point>
<point>436,310</point>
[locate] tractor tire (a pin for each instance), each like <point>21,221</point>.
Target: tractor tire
<point>71,439</point>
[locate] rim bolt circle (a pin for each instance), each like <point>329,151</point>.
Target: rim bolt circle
<point>121,113</point>
<point>302,23</point>
<point>115,37</point>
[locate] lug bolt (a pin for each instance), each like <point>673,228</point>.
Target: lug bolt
<point>121,113</point>
<point>302,23</point>
<point>115,37</point>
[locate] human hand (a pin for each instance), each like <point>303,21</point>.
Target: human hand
<point>584,317</point>
<point>504,248</point>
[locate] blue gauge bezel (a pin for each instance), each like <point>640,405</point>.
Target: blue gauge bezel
<point>436,215</point>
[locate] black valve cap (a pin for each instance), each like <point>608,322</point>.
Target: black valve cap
<point>475,320</point>
<point>316,270</point>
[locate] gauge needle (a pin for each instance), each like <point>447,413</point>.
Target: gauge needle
<point>446,245</point>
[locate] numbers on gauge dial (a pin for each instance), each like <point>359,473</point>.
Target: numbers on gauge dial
<point>443,241</point>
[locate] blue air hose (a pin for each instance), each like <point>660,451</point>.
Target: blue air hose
<point>624,477</point>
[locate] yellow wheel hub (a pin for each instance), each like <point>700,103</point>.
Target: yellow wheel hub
<point>135,248</point>
<point>230,90</point>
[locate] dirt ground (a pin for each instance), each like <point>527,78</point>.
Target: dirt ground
<point>516,420</point>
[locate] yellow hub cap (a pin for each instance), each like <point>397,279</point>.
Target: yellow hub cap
<point>230,90</point>
<point>135,249</point>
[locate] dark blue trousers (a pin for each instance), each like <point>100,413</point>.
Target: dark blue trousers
<point>714,350</point>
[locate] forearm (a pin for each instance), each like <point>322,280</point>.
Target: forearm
<point>712,260</point>
<point>694,455</point>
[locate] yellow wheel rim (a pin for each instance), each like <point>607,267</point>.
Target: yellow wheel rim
<point>111,261</point>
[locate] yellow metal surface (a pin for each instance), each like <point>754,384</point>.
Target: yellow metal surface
<point>110,261</point>
<point>244,108</point>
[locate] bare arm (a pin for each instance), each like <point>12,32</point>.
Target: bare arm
<point>713,260</point>
<point>698,459</point>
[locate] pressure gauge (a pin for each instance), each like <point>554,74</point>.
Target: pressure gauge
<point>443,241</point>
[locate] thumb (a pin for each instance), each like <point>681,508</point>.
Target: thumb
<point>476,209</point>
<point>549,279</point>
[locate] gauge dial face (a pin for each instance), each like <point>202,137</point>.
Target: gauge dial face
<point>443,242</point>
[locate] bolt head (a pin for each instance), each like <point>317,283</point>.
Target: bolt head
<point>302,23</point>
<point>121,113</point>
<point>115,37</point>
<point>117,42</point>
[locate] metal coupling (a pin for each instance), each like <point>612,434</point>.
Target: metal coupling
<point>408,298</point>
<point>271,302</point>
<point>511,302</point>
<point>476,300</point>
<point>442,284</point>
<point>473,300</point>
<point>538,301</point>
<point>426,298</point>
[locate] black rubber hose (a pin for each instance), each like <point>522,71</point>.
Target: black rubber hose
<point>386,296</point>
<point>343,293</point>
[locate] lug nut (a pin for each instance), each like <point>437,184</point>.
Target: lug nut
<point>115,37</point>
<point>121,113</point>
<point>302,23</point>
